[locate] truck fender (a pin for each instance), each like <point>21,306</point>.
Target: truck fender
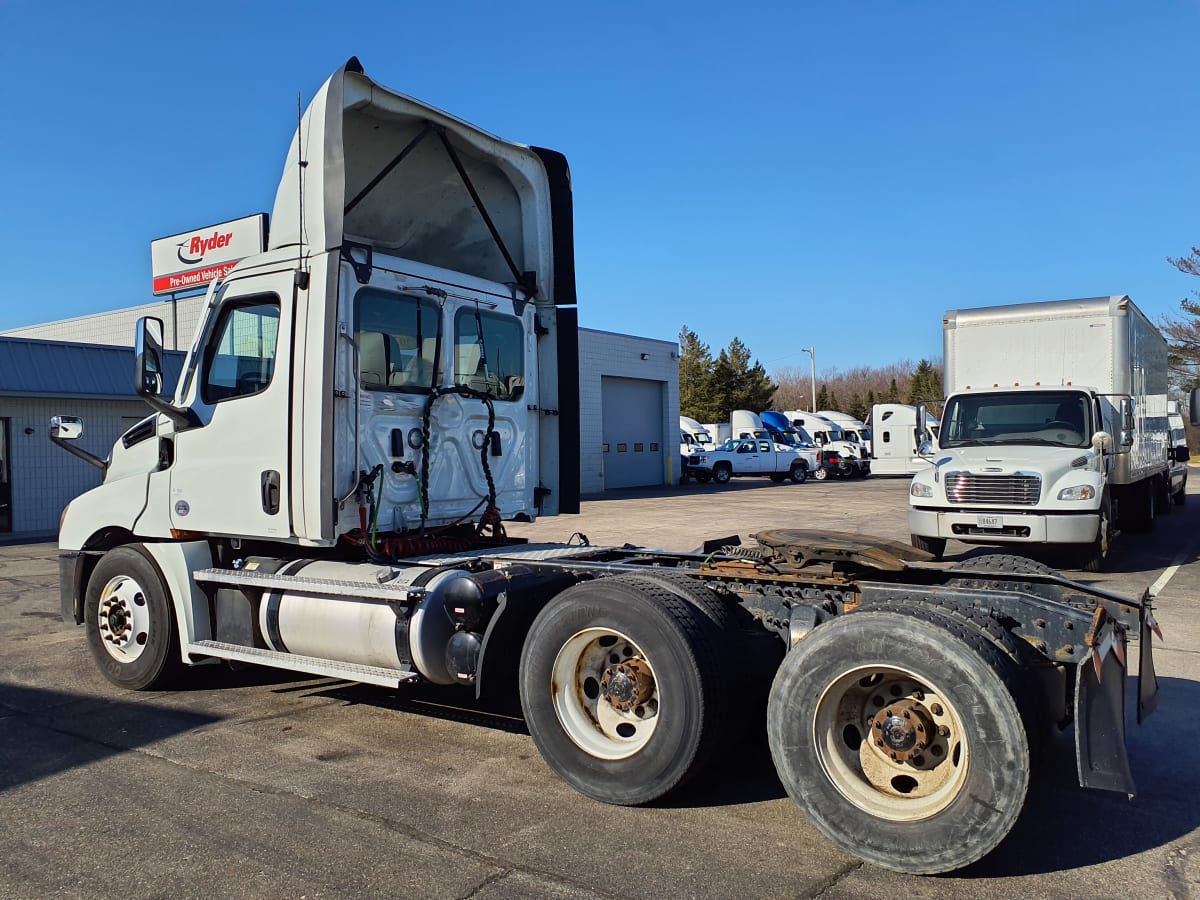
<point>176,562</point>
<point>504,637</point>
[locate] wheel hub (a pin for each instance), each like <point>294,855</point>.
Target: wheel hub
<point>627,685</point>
<point>903,729</point>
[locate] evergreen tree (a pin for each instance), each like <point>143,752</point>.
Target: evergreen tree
<point>822,398</point>
<point>739,384</point>
<point>925,385</point>
<point>857,408</point>
<point>696,388</point>
<point>893,393</point>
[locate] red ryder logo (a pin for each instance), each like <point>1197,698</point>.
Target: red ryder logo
<point>192,251</point>
<point>189,261</point>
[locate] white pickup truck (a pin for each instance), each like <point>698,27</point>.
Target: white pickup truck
<point>755,456</point>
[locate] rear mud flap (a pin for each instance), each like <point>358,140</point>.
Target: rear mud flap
<point>1100,717</point>
<point>1147,679</point>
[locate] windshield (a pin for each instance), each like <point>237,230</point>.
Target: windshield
<point>1057,418</point>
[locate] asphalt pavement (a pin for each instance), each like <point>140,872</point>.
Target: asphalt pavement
<point>255,783</point>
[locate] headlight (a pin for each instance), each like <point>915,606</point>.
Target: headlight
<point>920,489</point>
<point>699,459</point>
<point>1082,492</point>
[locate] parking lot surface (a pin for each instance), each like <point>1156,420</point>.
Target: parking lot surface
<point>254,783</point>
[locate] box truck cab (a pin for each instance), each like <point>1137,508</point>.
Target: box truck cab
<point>896,439</point>
<point>1178,453</point>
<point>1054,429</point>
<point>854,430</point>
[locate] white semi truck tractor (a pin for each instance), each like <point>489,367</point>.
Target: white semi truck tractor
<point>393,377</point>
<point>1054,432</point>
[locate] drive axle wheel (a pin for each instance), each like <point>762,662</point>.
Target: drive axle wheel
<point>897,733</point>
<point>625,688</point>
<point>130,627</point>
<point>608,701</point>
<point>891,744</point>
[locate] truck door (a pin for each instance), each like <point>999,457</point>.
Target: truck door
<point>231,474</point>
<point>768,459</point>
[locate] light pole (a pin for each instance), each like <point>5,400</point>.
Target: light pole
<point>812,357</point>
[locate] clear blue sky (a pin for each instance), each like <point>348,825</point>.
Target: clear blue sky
<point>795,174</point>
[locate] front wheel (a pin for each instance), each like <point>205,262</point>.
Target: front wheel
<point>821,474</point>
<point>130,627</point>
<point>1094,554</point>
<point>897,734</point>
<point>722,473</point>
<point>625,689</point>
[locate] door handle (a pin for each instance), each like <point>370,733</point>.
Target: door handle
<point>270,492</point>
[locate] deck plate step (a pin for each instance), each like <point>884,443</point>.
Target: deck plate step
<point>311,664</point>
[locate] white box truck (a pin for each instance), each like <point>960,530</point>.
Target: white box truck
<point>1054,430</point>
<point>373,395</point>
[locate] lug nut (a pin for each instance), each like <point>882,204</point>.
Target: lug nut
<point>936,709</point>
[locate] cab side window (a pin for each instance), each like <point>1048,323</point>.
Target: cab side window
<point>397,338</point>
<point>489,353</point>
<point>240,361</point>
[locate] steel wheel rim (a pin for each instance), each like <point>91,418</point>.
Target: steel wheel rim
<point>923,781</point>
<point>605,694</point>
<point>123,616</point>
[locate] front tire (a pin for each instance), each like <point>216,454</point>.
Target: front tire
<point>129,621</point>
<point>624,689</point>
<point>722,473</point>
<point>897,734</point>
<point>821,474</point>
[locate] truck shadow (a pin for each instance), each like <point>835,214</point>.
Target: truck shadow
<point>46,732</point>
<point>1064,826</point>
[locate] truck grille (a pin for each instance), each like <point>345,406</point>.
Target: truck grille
<point>1013,490</point>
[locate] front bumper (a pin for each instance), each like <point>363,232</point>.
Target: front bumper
<point>988,527</point>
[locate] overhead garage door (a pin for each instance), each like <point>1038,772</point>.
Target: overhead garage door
<point>632,426</point>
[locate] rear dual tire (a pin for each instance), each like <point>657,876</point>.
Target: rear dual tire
<point>871,678</point>
<point>625,686</point>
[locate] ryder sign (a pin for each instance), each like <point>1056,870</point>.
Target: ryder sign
<point>182,262</point>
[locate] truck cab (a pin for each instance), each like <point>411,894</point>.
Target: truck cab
<point>1054,431</point>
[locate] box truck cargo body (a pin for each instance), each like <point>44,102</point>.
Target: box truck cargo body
<point>1055,428</point>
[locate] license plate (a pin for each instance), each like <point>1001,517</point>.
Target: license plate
<point>990,521</point>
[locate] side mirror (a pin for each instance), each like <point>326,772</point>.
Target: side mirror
<point>1194,406</point>
<point>66,428</point>
<point>924,438</point>
<point>1181,454</point>
<point>1126,422</point>
<point>1102,441</point>
<point>70,428</point>
<point>148,353</point>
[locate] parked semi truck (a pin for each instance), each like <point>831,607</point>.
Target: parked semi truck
<point>1054,431</point>
<point>370,398</point>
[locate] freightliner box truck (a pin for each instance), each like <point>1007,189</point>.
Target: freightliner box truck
<point>1054,432</point>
